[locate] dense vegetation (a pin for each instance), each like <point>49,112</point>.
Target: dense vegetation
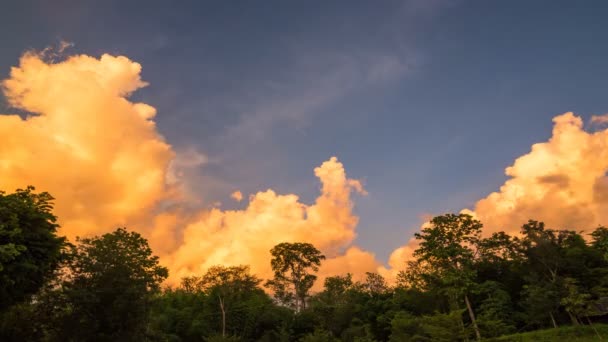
<point>459,286</point>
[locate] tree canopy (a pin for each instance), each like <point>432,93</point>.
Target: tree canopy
<point>458,286</point>
<point>293,265</point>
<point>30,250</point>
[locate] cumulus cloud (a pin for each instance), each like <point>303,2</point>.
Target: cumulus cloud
<point>245,236</point>
<point>561,181</point>
<point>103,159</point>
<point>97,153</point>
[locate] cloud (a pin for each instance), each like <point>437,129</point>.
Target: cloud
<point>245,236</point>
<point>309,85</point>
<point>103,159</point>
<point>599,119</point>
<point>237,196</point>
<point>97,153</point>
<point>562,182</point>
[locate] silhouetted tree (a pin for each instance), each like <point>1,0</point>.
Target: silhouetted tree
<point>293,265</point>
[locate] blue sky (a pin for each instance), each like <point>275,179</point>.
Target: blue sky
<point>426,101</point>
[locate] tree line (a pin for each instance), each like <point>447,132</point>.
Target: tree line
<point>459,286</point>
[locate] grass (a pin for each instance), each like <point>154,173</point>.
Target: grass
<point>567,333</point>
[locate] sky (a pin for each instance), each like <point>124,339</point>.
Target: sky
<point>424,103</point>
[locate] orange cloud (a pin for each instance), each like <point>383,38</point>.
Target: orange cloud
<point>102,158</point>
<point>245,236</point>
<point>237,196</point>
<point>561,181</point>
<point>97,153</point>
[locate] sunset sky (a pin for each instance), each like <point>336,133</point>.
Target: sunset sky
<point>424,103</point>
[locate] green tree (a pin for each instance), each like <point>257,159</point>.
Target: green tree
<point>293,265</point>
<point>374,284</point>
<point>30,250</point>
<point>436,327</point>
<point>600,240</point>
<point>574,301</point>
<point>230,285</point>
<point>335,306</point>
<point>182,315</point>
<point>539,300</point>
<point>495,312</point>
<point>552,256</point>
<point>109,287</point>
<point>319,336</point>
<point>447,249</point>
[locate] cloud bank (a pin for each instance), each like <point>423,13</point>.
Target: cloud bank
<point>103,159</point>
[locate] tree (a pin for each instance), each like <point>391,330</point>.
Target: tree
<point>30,250</point>
<point>495,312</point>
<point>436,327</point>
<point>447,247</point>
<point>229,284</point>
<point>109,286</point>
<point>575,302</point>
<point>553,256</point>
<point>293,264</point>
<point>334,288</point>
<point>374,284</point>
<point>600,240</point>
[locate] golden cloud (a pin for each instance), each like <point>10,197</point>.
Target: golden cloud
<point>561,181</point>
<point>103,159</point>
<point>97,153</point>
<point>237,196</point>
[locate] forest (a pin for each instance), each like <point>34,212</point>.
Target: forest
<point>460,285</point>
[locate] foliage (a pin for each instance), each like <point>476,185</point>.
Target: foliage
<point>495,311</point>
<point>447,249</point>
<point>293,264</point>
<point>30,250</point>
<point>458,285</point>
<point>109,287</point>
<point>319,336</point>
<point>570,334</point>
<point>437,327</point>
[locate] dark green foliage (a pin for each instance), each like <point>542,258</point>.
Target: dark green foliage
<point>569,334</point>
<point>459,285</point>
<point>495,311</point>
<point>293,265</point>
<point>182,315</point>
<point>109,287</point>
<point>319,336</point>
<point>30,250</point>
<point>437,327</point>
<point>197,310</point>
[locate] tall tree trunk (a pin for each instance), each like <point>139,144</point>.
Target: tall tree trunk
<point>454,306</point>
<point>223,316</point>
<point>573,318</point>
<point>553,319</point>
<point>472,316</point>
